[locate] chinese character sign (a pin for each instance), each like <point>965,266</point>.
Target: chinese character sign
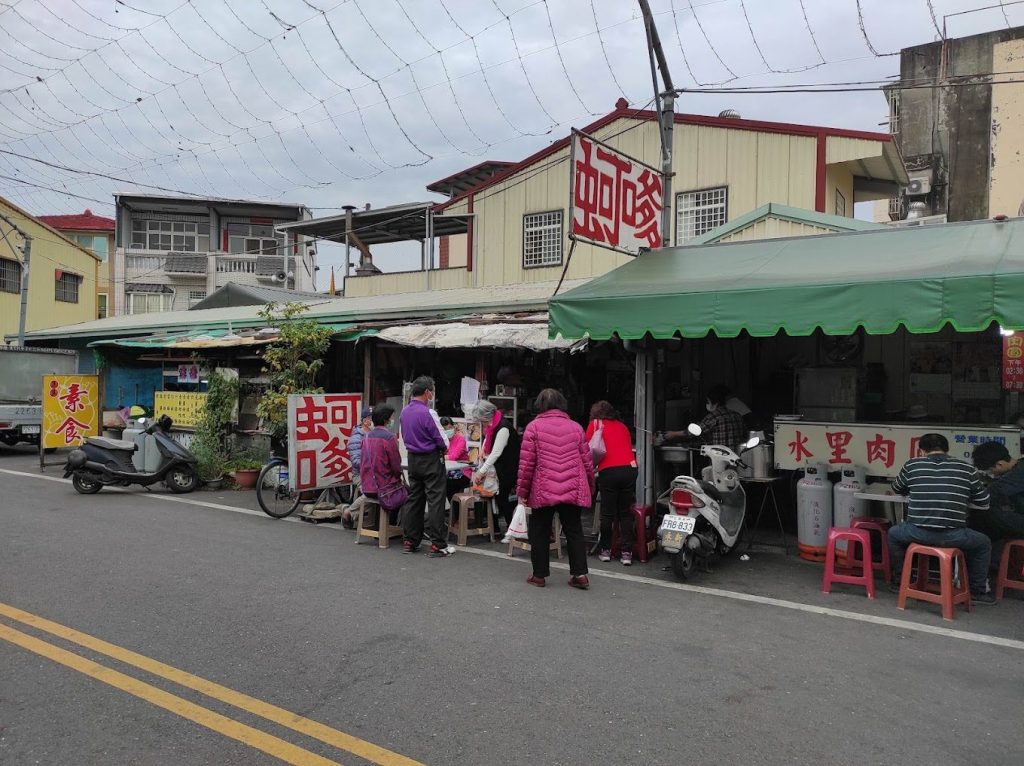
<point>188,373</point>
<point>70,409</point>
<point>880,449</point>
<point>616,201</point>
<point>183,407</point>
<point>319,427</point>
<point>1013,362</point>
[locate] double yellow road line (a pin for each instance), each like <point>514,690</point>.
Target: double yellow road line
<point>255,738</point>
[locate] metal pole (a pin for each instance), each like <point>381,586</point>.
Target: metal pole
<point>26,251</point>
<point>665,102</point>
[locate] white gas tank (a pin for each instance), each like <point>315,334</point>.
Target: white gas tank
<point>813,512</point>
<point>137,434</point>
<point>846,507</point>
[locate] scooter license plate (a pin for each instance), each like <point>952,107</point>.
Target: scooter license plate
<point>684,524</point>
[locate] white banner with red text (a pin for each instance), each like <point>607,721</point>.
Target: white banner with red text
<point>319,428</point>
<point>880,449</point>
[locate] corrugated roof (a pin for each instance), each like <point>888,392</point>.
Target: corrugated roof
<point>785,212</point>
<point>431,303</point>
<point>234,294</point>
<point>86,221</point>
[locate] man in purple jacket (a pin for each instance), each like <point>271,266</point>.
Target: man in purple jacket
<point>426,445</point>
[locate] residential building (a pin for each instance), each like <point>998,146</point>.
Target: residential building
<point>62,275</point>
<point>515,216</point>
<point>963,137</point>
<point>171,252</point>
<point>96,234</point>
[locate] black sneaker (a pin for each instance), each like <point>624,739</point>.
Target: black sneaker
<point>408,547</point>
<point>436,552</point>
<point>983,598</point>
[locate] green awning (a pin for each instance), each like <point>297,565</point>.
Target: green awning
<point>967,275</point>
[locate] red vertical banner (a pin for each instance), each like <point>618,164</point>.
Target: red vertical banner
<point>1013,362</point>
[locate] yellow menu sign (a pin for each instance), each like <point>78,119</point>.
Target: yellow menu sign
<point>71,409</point>
<point>183,407</point>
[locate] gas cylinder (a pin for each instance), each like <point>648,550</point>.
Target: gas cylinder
<point>813,512</point>
<point>846,506</point>
<point>137,434</point>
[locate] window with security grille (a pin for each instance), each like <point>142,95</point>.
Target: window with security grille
<point>894,111</point>
<point>542,239</point>
<point>194,296</point>
<point>148,303</point>
<point>840,203</point>
<point>10,276</point>
<point>66,287</point>
<point>254,239</point>
<point>698,212</point>
<point>171,236</point>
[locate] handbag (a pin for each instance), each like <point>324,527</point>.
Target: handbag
<point>597,448</point>
<point>393,497</point>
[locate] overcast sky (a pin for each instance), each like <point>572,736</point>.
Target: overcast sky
<point>333,102</point>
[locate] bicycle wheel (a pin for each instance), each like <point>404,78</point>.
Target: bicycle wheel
<point>272,492</point>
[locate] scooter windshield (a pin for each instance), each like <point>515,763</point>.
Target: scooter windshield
<point>732,505</point>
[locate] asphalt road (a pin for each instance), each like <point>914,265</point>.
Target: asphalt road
<point>372,656</point>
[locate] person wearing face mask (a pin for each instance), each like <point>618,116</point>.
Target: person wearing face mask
<point>458,451</point>
<point>426,444</point>
<point>721,425</point>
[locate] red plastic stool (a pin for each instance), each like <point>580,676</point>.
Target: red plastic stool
<point>1006,579</point>
<point>881,526</point>
<point>948,595</point>
<point>852,537</point>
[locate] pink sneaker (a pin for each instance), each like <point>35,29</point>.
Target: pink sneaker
<point>627,558</point>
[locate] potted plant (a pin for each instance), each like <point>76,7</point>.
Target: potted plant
<point>209,443</point>
<point>245,467</point>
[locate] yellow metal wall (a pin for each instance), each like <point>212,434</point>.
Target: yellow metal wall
<point>406,282</point>
<point>838,178</point>
<point>1006,191</point>
<point>50,251</point>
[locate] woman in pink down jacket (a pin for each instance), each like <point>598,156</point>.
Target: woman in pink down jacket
<point>556,475</point>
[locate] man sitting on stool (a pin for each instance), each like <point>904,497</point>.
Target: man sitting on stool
<point>940,489</point>
<point>1005,520</point>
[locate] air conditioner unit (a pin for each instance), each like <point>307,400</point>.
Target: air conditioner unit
<point>920,183</point>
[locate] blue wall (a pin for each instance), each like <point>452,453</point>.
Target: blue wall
<point>120,385</point>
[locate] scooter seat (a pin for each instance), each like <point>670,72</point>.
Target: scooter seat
<point>113,444</point>
<point>712,491</point>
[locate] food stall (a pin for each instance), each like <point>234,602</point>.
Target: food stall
<point>873,328</point>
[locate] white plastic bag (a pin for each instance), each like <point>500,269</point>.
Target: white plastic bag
<point>517,529</point>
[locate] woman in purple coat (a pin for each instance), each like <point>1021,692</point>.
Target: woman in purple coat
<point>380,464</point>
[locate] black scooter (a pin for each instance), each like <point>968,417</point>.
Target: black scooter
<point>104,462</point>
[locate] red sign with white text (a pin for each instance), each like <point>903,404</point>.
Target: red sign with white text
<point>319,427</point>
<point>615,201</point>
<point>1013,362</point>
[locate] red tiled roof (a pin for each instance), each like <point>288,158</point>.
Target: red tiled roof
<point>80,222</point>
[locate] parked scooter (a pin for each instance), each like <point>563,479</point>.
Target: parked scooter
<point>104,462</point>
<point>706,515</point>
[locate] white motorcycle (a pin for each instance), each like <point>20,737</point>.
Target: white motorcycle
<point>705,517</point>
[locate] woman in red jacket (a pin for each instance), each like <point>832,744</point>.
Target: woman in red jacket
<point>616,480</point>
<point>556,475</point>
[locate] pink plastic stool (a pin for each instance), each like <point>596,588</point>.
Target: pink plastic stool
<point>881,526</point>
<point>945,592</point>
<point>853,537</point>
<point>1009,575</point>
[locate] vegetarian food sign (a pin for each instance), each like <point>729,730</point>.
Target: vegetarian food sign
<point>70,410</point>
<point>319,427</point>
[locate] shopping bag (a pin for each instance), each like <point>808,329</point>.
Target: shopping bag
<point>517,529</point>
<point>487,486</point>
<point>597,448</point>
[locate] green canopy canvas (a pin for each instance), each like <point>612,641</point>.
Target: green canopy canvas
<point>967,275</point>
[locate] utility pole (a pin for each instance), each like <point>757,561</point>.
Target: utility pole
<point>26,256</point>
<point>664,99</point>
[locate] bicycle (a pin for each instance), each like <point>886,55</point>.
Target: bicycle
<point>278,500</point>
<point>272,491</point>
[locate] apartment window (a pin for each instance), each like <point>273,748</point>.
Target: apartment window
<point>96,244</point>
<point>894,111</point>
<point>698,212</point>
<point>194,296</point>
<point>840,203</point>
<point>254,239</point>
<point>542,239</point>
<point>10,276</point>
<point>66,287</point>
<point>148,298</point>
<point>171,236</point>
<point>101,305</point>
